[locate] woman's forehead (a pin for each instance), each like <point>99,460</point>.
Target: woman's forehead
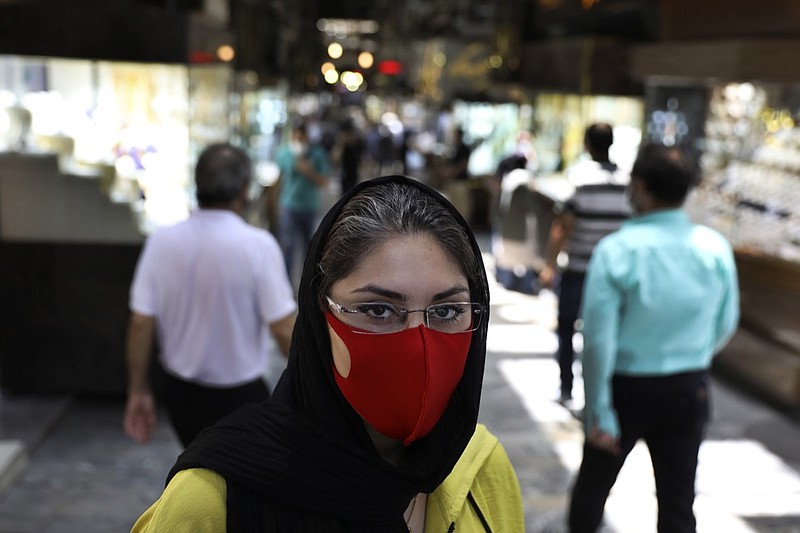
<point>409,265</point>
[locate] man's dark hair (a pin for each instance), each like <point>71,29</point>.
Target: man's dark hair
<point>221,174</point>
<point>665,172</point>
<point>599,137</point>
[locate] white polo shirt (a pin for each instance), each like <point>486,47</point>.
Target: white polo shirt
<point>214,284</point>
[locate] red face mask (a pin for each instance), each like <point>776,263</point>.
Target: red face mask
<point>401,383</point>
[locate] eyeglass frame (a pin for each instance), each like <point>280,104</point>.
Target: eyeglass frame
<point>477,309</point>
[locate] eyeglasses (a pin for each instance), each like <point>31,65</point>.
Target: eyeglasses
<point>381,317</point>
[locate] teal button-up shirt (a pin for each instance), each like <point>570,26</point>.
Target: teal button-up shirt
<point>297,192</point>
<point>661,297</point>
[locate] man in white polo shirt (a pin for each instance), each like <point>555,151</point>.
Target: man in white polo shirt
<point>210,290</point>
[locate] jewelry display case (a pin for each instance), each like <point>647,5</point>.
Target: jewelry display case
<point>749,190</point>
<point>750,187</point>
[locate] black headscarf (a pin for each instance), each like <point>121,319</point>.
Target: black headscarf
<point>303,460</point>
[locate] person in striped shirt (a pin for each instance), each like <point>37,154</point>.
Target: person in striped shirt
<point>597,207</point>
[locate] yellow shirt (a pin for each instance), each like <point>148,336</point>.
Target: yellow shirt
<point>194,500</point>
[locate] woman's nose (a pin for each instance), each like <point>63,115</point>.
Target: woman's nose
<point>415,318</point>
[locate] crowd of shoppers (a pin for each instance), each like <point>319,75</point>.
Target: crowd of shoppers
<point>373,424</point>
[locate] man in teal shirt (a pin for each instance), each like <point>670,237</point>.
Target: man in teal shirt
<point>304,169</point>
<point>660,300</point>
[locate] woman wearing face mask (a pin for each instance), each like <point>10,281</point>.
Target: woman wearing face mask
<point>304,168</point>
<point>372,426</point>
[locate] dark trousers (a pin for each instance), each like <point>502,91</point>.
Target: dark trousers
<point>192,407</point>
<point>569,305</point>
<point>295,230</point>
<point>670,413</point>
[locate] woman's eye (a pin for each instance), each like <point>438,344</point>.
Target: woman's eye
<point>447,312</point>
<point>442,312</point>
<point>377,310</point>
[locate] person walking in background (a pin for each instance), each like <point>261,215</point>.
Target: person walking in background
<point>661,299</point>
<point>350,149</point>
<point>598,206</point>
<point>597,141</point>
<point>522,156</point>
<point>373,425</point>
<point>459,161</point>
<point>304,169</point>
<point>406,149</point>
<point>211,289</point>
<point>457,173</point>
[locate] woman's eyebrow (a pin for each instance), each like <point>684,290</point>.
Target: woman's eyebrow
<point>458,289</point>
<point>394,295</point>
<point>380,291</point>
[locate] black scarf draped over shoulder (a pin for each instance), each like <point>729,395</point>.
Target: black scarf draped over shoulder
<point>303,462</point>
